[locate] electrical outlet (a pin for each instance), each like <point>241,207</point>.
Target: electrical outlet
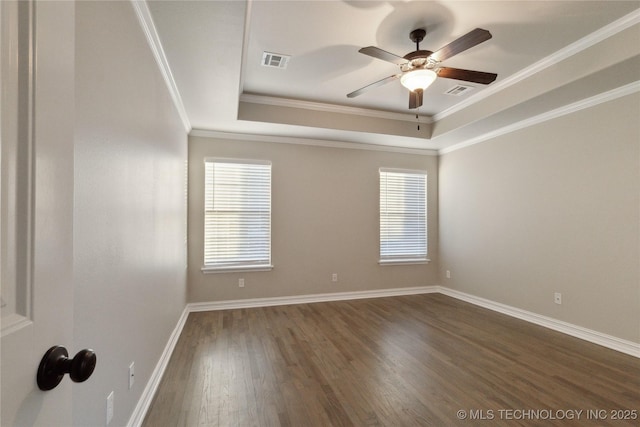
<point>131,374</point>
<point>557,298</point>
<point>448,274</point>
<point>334,277</point>
<point>241,283</point>
<point>109,407</point>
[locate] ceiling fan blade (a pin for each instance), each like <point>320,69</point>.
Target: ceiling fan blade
<point>372,85</point>
<point>383,54</point>
<point>415,98</point>
<point>467,75</point>
<point>461,44</point>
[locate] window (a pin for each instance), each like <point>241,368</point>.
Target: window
<point>403,216</point>
<point>237,215</point>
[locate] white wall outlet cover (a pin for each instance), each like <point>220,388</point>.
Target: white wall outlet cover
<point>131,374</point>
<point>109,407</point>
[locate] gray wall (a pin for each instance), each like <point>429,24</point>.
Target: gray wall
<point>130,209</point>
<point>325,215</point>
<point>551,208</point>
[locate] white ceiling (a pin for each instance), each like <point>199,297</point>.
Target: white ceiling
<point>542,51</point>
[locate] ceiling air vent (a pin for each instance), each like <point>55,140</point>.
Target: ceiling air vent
<point>458,90</point>
<point>275,60</point>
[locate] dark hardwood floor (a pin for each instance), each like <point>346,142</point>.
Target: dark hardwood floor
<point>423,360</point>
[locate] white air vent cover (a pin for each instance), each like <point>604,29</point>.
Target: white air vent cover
<point>275,60</point>
<point>458,90</point>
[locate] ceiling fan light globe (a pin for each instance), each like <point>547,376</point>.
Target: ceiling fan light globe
<point>418,79</point>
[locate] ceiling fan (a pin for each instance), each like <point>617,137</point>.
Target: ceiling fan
<point>420,68</point>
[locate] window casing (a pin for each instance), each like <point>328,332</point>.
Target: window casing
<point>237,215</point>
<point>403,216</point>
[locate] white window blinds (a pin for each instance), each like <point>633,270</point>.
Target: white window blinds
<point>237,223</point>
<point>403,216</point>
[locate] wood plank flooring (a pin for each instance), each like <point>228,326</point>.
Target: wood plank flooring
<point>401,361</point>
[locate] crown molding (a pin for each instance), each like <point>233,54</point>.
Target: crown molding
<point>531,121</point>
<point>308,141</point>
<point>331,108</point>
<point>143,13</point>
<point>549,115</point>
<point>586,42</point>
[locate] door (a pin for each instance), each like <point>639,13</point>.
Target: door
<point>36,194</point>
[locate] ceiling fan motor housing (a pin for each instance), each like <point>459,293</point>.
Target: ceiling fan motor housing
<point>418,59</point>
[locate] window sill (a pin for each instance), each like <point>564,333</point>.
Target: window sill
<point>236,268</point>
<point>407,261</point>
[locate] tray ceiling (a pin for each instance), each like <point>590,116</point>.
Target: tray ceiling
<point>541,50</point>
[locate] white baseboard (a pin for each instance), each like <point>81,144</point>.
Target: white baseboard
<point>307,299</point>
<point>149,392</point>
<point>595,337</point>
<point>623,346</point>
